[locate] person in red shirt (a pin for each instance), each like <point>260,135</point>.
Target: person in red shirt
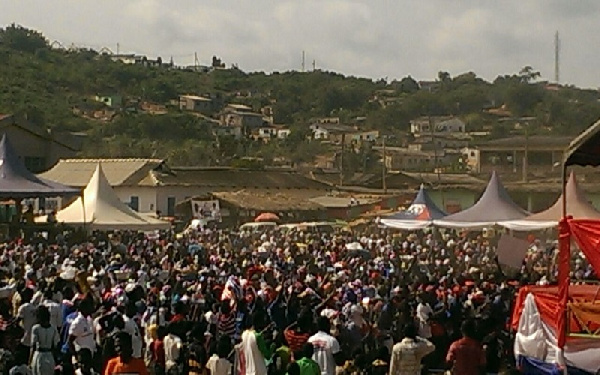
<point>157,348</point>
<point>466,355</point>
<point>179,313</point>
<point>125,363</point>
<point>298,336</point>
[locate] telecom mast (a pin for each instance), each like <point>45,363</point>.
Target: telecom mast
<point>556,58</point>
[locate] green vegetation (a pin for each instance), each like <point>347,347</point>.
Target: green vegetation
<point>50,87</point>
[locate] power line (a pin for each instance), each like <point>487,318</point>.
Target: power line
<point>556,58</point>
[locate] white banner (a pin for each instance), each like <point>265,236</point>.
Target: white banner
<point>206,210</point>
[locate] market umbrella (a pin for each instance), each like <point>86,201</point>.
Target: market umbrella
<point>354,246</point>
<point>267,216</point>
<point>356,250</point>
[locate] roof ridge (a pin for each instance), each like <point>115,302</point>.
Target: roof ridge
<point>104,160</point>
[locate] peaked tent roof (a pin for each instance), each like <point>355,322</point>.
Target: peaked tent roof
<point>419,214</point>
<point>101,209</point>
<point>17,182</point>
<point>495,206</point>
<point>577,206</point>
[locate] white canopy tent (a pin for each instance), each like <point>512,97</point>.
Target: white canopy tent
<point>578,206</point>
<point>100,209</point>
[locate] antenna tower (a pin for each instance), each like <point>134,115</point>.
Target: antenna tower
<point>556,58</point>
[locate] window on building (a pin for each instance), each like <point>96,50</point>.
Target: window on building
<point>134,203</point>
<point>171,206</point>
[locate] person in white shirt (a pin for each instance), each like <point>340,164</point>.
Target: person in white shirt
<point>173,345</point>
<point>218,364</point>
<point>326,348</point>
<point>81,331</point>
<point>27,315</point>
<point>132,328</point>
<point>408,353</point>
<point>424,313</point>
<point>54,308</point>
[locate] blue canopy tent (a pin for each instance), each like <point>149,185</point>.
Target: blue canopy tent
<point>17,183</point>
<point>420,214</point>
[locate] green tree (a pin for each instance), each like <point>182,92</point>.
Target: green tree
<point>18,38</point>
<point>408,85</point>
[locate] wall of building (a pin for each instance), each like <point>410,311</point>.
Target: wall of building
<point>180,193</point>
<point>146,197</point>
<point>38,154</point>
<point>451,200</point>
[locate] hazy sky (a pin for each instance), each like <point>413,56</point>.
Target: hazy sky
<point>371,38</point>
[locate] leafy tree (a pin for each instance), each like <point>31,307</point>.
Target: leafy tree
<point>527,74</point>
<point>408,85</point>
<point>18,38</point>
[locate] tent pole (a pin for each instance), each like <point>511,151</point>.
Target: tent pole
<point>564,191</point>
<point>564,306</point>
<point>83,207</point>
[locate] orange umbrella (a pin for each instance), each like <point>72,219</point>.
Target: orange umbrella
<point>267,216</point>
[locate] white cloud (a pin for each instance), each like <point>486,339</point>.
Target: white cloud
<point>359,37</point>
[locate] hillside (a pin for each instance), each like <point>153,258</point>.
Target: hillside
<point>57,88</point>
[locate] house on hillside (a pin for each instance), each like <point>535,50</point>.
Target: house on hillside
<point>324,131</point>
<point>112,101</point>
<point>242,116</point>
<point>227,131</point>
<point>447,125</point>
<point>359,137</point>
<point>268,132</point>
<point>196,103</point>
<point>133,59</point>
<point>39,148</point>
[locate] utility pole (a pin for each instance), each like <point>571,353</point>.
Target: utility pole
<point>384,168</point>
<point>342,160</point>
<point>556,58</point>
<point>436,169</point>
<point>118,48</point>
<point>314,65</point>
<point>526,155</point>
<point>303,60</point>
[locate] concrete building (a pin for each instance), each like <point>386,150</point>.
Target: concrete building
<point>195,103</point>
<point>534,156</point>
<point>112,101</point>
<point>330,130</point>
<point>39,148</point>
<point>447,125</point>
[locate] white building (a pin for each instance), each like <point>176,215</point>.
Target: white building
<point>437,125</point>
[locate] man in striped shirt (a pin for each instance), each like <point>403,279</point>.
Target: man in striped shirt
<point>297,336</point>
<point>226,320</point>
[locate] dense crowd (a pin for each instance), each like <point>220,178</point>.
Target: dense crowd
<point>223,302</point>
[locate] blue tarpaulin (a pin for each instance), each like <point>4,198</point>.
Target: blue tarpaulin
<point>533,366</point>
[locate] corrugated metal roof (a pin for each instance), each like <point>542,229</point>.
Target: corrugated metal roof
<point>227,178</point>
<point>119,172</point>
<point>285,200</point>
<point>341,202</point>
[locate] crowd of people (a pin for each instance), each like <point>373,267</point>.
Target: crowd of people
<point>222,302</point>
